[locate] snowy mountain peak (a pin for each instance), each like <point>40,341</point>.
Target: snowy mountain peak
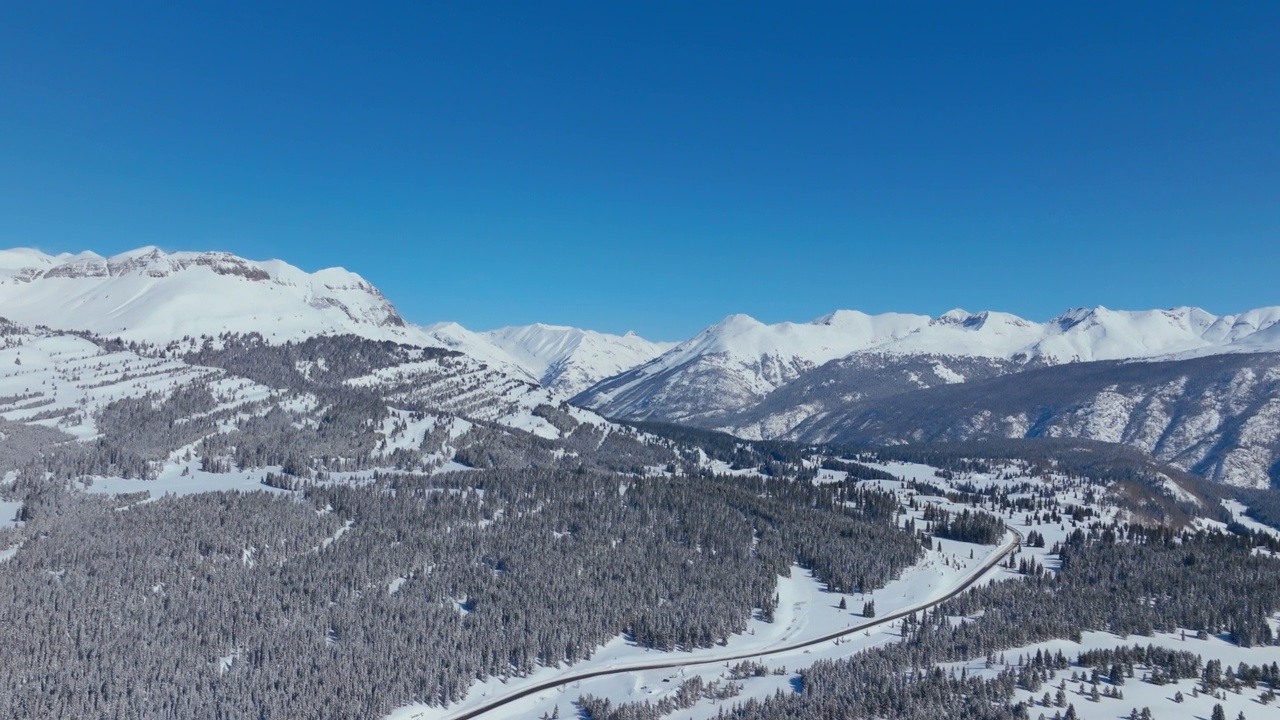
<point>569,360</point>
<point>957,316</point>
<point>1075,316</point>
<point>737,322</point>
<point>151,295</point>
<point>842,318</point>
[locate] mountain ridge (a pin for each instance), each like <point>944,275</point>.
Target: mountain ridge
<point>800,380</point>
<point>154,296</point>
<point>741,360</point>
<point>150,295</point>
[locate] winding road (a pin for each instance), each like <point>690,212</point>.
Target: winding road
<point>967,581</point>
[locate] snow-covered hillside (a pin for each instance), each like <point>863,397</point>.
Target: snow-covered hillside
<point>739,360</point>
<point>455,337</point>
<point>139,412</point>
<point>153,296</point>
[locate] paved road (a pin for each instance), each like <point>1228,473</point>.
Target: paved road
<point>1008,547</point>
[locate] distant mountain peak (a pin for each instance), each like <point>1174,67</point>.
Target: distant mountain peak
<point>738,321</point>
<point>955,315</point>
<point>568,360</point>
<point>841,317</point>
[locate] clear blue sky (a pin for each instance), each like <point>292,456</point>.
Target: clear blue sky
<point>655,166</point>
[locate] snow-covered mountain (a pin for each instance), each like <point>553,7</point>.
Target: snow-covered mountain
<point>736,363</point>
<point>851,377</point>
<point>168,300</point>
<point>150,295</point>
<point>569,360</point>
<point>844,376</point>
<point>565,360</point>
<point>455,337</point>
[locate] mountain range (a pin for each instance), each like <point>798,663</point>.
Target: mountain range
<point>1198,390</point>
<point>149,295</point>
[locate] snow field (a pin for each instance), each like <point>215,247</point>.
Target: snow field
<point>1138,693</point>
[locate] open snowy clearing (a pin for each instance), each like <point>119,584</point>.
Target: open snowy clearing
<point>173,481</point>
<point>8,513</point>
<point>1137,692</point>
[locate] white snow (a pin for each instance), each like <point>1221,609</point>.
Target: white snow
<point>569,360</point>
<point>1137,693</point>
<point>1238,509</point>
<point>172,481</point>
<point>753,358</point>
<point>8,513</point>
<point>64,379</point>
<point>805,611</point>
<point>565,360</point>
<point>154,296</point>
<point>1093,334</point>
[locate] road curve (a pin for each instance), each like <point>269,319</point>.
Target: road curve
<point>1006,549</point>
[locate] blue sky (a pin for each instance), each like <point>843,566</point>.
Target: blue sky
<point>658,165</point>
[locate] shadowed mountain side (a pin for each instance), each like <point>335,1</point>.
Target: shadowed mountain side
<point>1214,416</point>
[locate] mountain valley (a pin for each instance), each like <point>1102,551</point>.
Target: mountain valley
<point>301,504</point>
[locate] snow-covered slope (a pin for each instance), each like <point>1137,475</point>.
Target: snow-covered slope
<point>734,364</point>
<point>455,337</point>
<point>339,402</point>
<point>150,295</point>
<point>569,360</point>
<point>841,376</point>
